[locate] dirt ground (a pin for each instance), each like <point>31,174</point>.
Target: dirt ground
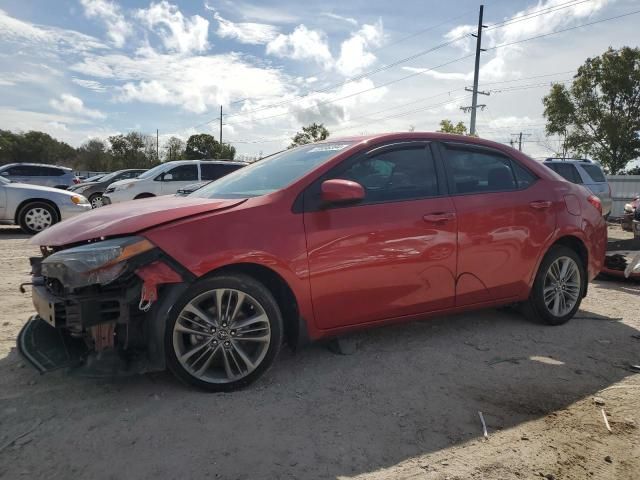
<point>405,405</point>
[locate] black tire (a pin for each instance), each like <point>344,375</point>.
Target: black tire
<point>144,195</point>
<point>93,198</point>
<point>23,217</point>
<point>535,307</point>
<point>250,287</point>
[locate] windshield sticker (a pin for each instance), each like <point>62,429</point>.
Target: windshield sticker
<point>334,147</point>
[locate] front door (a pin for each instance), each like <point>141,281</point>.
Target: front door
<point>504,219</point>
<point>394,253</point>
<point>178,177</point>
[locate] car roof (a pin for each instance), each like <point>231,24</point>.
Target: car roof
<point>570,160</point>
<point>206,160</point>
<point>28,164</point>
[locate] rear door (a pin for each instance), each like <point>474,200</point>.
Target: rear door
<point>505,216</point>
<point>391,255</point>
<point>178,177</point>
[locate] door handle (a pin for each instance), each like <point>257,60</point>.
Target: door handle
<point>442,217</point>
<point>540,204</point>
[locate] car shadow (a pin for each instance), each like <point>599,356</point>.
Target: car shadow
<point>12,233</point>
<point>408,390</point>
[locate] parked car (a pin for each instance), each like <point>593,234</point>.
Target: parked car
<point>168,178</point>
<point>35,208</point>
<point>94,178</point>
<point>94,190</point>
<point>629,213</point>
<point>39,174</point>
<point>584,172</point>
<point>189,189</point>
<point>310,243</point>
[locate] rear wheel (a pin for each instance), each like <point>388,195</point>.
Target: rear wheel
<point>96,200</point>
<point>224,333</point>
<point>558,288</point>
<point>36,216</point>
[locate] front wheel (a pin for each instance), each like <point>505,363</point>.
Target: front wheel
<point>224,333</point>
<point>558,288</point>
<point>37,216</point>
<point>96,200</point>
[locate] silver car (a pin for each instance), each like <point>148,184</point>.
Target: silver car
<point>35,208</point>
<point>584,172</point>
<point>39,174</point>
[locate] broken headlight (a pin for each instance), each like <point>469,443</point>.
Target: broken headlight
<point>94,263</point>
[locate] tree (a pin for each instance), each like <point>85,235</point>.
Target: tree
<point>93,156</point>
<point>34,146</point>
<point>599,115</point>
<point>447,126</point>
<point>132,151</point>
<point>203,145</point>
<point>310,134</point>
<point>174,149</point>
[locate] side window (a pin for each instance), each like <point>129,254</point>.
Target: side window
<point>182,173</point>
<point>49,172</point>
<point>523,176</point>
<point>21,171</point>
<point>567,171</point>
<point>403,174</point>
<point>594,172</point>
<point>213,171</point>
<point>473,171</point>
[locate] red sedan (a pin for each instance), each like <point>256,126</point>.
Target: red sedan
<point>310,243</point>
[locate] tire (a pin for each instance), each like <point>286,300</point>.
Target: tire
<point>144,195</point>
<point>96,200</point>
<point>560,307</point>
<point>35,217</point>
<point>212,352</point>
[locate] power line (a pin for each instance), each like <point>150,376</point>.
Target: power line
<point>537,13</point>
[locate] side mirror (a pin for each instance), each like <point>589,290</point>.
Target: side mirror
<point>341,191</point>
<point>4,174</point>
<point>167,177</point>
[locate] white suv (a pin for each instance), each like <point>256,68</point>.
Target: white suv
<point>168,178</point>
<point>584,172</point>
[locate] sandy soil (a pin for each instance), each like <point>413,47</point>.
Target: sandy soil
<point>405,405</point>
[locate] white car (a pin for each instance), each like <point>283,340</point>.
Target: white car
<point>168,178</point>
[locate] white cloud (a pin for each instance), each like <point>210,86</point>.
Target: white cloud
<point>461,31</point>
<point>249,11</point>
<point>349,20</point>
<point>354,54</point>
<point>194,84</point>
<point>67,103</point>
<point>41,37</point>
<point>118,28</point>
<point>248,32</point>
<point>498,67</point>
<point>90,84</point>
<point>177,32</point>
<point>302,44</point>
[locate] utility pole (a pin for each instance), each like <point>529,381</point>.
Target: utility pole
<point>220,124</point>
<point>474,100</point>
<point>519,135</point>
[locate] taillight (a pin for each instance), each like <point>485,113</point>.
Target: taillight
<point>76,180</point>
<point>595,201</point>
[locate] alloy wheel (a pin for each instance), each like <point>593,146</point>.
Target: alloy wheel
<point>221,335</point>
<point>38,218</point>
<point>562,285</point>
<point>96,202</point>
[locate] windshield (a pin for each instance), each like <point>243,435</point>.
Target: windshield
<point>95,178</point>
<point>272,173</point>
<point>154,172</point>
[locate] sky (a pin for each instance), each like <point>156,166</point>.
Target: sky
<point>80,69</point>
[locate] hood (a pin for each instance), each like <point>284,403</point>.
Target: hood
<point>75,187</point>
<point>124,182</point>
<point>127,218</point>
<point>38,188</point>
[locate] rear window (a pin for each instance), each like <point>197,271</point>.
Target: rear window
<point>595,173</point>
<point>567,171</point>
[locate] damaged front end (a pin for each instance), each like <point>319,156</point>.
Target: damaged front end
<point>101,307</point>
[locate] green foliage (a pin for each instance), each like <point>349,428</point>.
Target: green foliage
<point>447,126</point>
<point>599,115</point>
<point>32,146</point>
<point>132,150</point>
<point>203,145</point>
<point>174,149</point>
<point>93,156</point>
<point>310,134</point>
